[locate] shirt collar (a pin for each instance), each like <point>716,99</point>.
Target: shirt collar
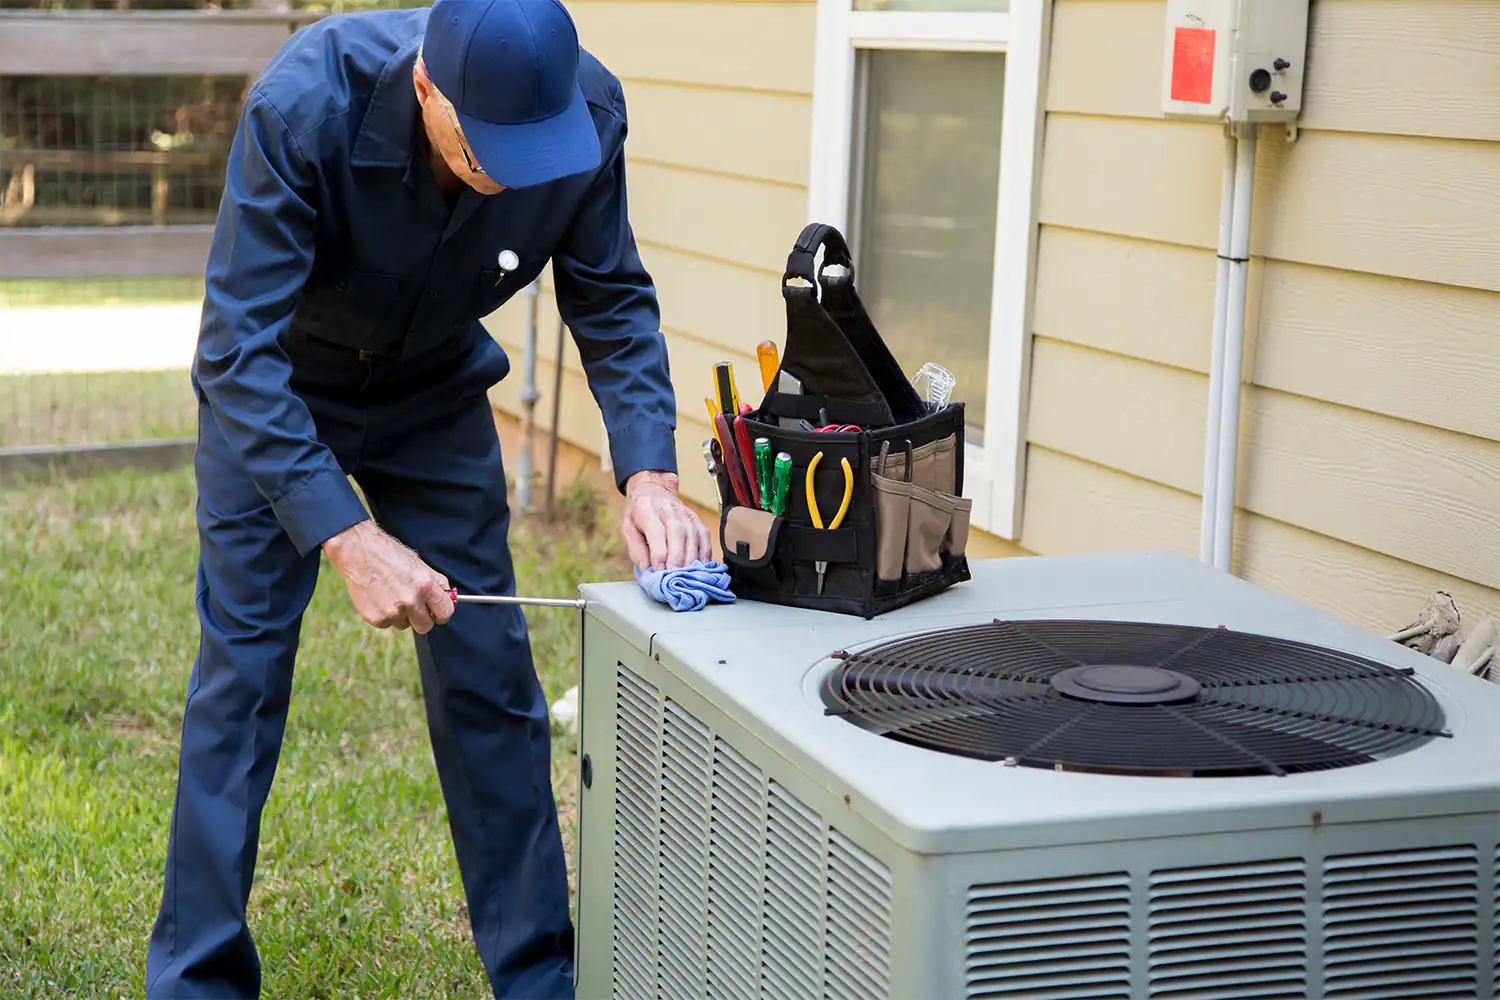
<point>388,131</point>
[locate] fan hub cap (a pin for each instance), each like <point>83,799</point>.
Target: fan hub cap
<point>1125,684</point>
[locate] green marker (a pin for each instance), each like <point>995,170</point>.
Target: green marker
<point>781,483</point>
<point>763,470</point>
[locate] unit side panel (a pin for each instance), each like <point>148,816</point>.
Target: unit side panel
<point>1398,911</point>
<point>603,649</point>
<point>724,871</point>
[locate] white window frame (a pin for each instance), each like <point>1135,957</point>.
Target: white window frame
<point>993,473</point>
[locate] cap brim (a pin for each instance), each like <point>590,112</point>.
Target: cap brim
<point>519,156</point>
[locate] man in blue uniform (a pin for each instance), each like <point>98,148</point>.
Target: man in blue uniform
<point>396,176</point>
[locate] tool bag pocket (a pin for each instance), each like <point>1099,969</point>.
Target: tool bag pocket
<point>750,540</point>
<point>918,532</point>
<point>892,515</point>
<point>902,533</point>
<point>935,523</point>
<point>749,536</point>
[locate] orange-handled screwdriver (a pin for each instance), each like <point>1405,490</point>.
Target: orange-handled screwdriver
<point>765,353</point>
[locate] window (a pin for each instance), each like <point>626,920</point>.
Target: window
<point>922,207</point>
<point>926,126</point>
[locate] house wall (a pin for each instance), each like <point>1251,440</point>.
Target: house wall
<point>1370,457</point>
<point>719,98</point>
<point>1370,454</point>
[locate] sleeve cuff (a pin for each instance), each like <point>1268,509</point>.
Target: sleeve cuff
<point>320,508</point>
<point>642,447</point>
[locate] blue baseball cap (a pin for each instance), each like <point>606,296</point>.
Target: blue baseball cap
<point>510,70</point>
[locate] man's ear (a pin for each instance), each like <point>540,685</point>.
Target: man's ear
<point>421,81</point>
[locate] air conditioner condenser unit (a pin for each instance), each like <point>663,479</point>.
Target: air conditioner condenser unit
<point>1107,776</point>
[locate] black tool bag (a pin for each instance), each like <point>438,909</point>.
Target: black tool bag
<point>904,534</point>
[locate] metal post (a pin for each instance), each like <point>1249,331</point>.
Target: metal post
<point>556,416</point>
<point>529,397</point>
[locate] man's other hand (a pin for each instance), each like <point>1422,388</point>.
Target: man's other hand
<point>391,586</point>
<point>660,531</point>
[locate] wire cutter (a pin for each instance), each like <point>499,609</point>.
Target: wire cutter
<point>817,516</point>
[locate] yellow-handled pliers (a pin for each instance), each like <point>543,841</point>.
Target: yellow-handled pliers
<point>817,516</point>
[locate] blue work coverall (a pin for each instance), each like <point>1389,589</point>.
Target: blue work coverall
<point>339,338</point>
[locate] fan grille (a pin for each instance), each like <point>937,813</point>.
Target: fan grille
<point>1133,698</point>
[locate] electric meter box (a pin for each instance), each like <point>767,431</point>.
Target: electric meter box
<point>1234,60</point>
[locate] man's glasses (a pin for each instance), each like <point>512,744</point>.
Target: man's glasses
<point>463,146</point>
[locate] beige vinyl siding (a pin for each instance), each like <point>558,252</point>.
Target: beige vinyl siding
<point>1370,451</point>
<point>720,102</point>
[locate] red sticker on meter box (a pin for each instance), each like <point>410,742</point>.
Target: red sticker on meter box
<point>1193,65</point>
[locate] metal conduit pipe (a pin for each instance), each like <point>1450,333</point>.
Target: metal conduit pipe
<point>1231,353</point>
<point>1216,357</point>
<point>555,435</point>
<point>529,397</point>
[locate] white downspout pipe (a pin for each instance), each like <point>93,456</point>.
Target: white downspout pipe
<point>1216,357</point>
<point>529,397</point>
<point>1234,348</point>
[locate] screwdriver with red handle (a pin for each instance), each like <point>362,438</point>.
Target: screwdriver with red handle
<point>533,602</point>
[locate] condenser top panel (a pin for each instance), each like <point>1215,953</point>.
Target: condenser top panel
<point>1296,718</point>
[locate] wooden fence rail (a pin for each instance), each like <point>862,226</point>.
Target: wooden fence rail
<point>143,43</point>
<point>137,43</point>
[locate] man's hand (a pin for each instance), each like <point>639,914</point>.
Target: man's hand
<point>660,531</point>
<point>390,585</point>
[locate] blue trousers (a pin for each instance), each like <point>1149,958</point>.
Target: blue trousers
<point>420,440</point>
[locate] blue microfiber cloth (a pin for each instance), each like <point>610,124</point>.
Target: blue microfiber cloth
<point>688,588</point>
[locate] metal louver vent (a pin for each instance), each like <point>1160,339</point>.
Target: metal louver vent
<point>637,776</point>
<point>1402,924</point>
<point>1053,939</point>
<point>726,884</point>
<point>682,904</point>
<point>857,959</point>
<point>793,938</point>
<point>736,872</point>
<point>1229,932</point>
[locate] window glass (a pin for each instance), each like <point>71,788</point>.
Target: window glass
<point>924,191</point>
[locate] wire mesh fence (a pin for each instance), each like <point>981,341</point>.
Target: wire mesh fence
<point>114,151</point>
<point>46,411</point>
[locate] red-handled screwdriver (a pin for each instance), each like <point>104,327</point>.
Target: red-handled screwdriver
<point>535,602</point>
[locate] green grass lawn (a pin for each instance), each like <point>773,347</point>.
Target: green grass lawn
<point>357,892</point>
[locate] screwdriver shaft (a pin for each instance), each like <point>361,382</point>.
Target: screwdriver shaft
<point>534,602</point>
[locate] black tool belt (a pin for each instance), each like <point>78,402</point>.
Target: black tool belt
<point>903,534</point>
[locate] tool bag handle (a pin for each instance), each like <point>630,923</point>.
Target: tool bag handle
<point>799,263</point>
<point>832,345</point>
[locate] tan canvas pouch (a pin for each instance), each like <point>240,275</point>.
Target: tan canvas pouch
<point>934,466</point>
<point>892,507</point>
<point>929,526</point>
<point>748,536</point>
<point>957,538</point>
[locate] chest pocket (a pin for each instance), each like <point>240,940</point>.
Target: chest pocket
<point>494,286</point>
<point>362,311</point>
